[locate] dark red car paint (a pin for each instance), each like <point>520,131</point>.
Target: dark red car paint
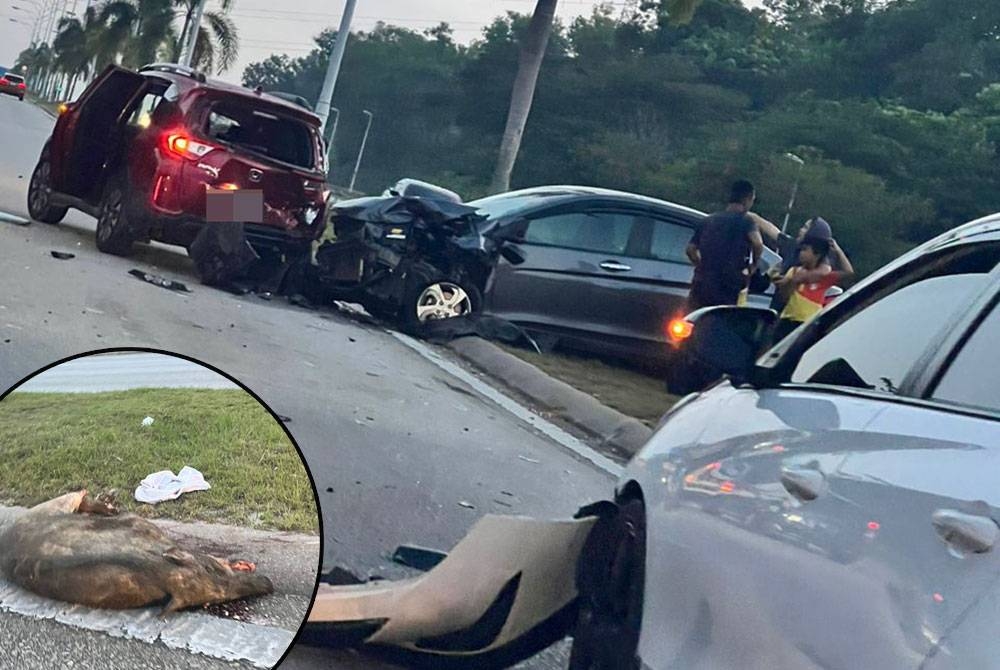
<point>169,185</point>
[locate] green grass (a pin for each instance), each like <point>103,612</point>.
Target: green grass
<point>52,443</point>
<point>631,393</point>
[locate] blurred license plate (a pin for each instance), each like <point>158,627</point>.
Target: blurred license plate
<point>245,206</point>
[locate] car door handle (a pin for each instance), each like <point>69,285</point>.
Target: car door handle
<point>615,266</point>
<point>969,532</point>
<point>804,483</point>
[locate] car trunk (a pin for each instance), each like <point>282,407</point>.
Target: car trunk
<point>266,149</point>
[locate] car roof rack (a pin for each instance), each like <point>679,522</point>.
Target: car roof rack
<point>174,68</point>
<point>292,98</point>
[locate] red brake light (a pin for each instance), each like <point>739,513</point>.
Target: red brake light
<point>183,146</point>
<point>22,85</point>
<point>4,81</point>
<point>679,329</point>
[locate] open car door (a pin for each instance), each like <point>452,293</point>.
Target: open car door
<point>86,132</point>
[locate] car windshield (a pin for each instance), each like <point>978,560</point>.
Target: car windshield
<point>280,138</point>
<point>14,78</point>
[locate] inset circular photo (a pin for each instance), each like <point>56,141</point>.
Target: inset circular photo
<point>153,513</point>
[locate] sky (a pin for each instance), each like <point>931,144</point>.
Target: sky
<point>273,26</point>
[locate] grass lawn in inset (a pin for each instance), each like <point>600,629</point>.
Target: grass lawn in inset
<point>53,443</point>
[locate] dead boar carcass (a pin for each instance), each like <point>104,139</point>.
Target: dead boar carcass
<point>75,548</point>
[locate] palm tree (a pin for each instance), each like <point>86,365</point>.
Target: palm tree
<point>153,29</point>
<point>118,20</point>
<point>529,65</point>
<point>216,45</point>
<point>37,61</point>
<point>73,46</point>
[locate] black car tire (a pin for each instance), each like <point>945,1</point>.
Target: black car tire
<point>40,207</point>
<point>611,579</point>
<point>416,292</point>
<point>115,233</point>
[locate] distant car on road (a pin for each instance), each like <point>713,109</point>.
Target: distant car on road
<point>601,269</point>
<point>13,84</point>
<point>832,504</point>
<point>140,151</point>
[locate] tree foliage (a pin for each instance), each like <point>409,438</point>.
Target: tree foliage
<point>894,105</point>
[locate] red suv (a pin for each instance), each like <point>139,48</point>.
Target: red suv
<point>141,151</point>
<point>13,84</point>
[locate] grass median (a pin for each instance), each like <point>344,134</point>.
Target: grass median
<point>52,443</point>
<point>630,392</point>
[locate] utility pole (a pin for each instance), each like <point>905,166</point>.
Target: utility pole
<point>795,188</point>
<point>187,52</point>
<point>336,56</point>
<point>361,151</point>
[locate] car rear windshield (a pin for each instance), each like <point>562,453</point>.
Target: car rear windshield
<point>14,78</point>
<point>278,137</point>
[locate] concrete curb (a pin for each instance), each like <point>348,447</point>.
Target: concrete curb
<point>615,430</point>
<point>39,106</point>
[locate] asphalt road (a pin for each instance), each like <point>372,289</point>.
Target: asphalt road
<point>400,450</point>
<point>120,372</point>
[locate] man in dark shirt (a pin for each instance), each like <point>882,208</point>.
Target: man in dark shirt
<point>725,249</point>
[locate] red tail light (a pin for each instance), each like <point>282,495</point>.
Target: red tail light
<point>22,85</point>
<point>4,81</point>
<point>182,146</point>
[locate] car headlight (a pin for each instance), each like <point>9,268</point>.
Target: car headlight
<point>309,215</point>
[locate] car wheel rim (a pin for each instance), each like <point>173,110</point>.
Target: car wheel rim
<point>111,214</point>
<point>39,188</point>
<point>443,300</point>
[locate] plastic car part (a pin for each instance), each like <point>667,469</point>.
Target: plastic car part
<point>507,579</point>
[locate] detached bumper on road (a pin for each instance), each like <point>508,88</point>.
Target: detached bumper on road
<point>506,590</point>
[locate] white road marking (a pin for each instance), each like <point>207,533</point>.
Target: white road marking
<point>547,428</point>
<point>4,216</point>
<point>193,632</point>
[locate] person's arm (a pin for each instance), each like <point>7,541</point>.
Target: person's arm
<point>693,254</point>
<point>784,284</point>
<point>804,276</point>
<point>692,250</point>
<point>846,270</point>
<point>756,247</point>
<point>766,228</point>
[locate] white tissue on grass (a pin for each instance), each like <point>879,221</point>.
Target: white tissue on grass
<point>165,485</point>
<point>147,422</point>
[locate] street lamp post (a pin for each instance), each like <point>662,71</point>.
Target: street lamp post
<point>187,50</point>
<point>333,68</point>
<point>361,151</point>
<point>329,142</point>
<point>795,188</point>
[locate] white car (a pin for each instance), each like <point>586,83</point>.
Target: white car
<point>832,504</point>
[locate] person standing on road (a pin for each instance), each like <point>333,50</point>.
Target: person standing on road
<point>804,286</point>
<point>725,250</point>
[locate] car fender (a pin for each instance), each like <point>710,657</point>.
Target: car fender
<point>973,642</point>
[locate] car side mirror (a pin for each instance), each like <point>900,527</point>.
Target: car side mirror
<point>729,339</point>
<point>512,253</point>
